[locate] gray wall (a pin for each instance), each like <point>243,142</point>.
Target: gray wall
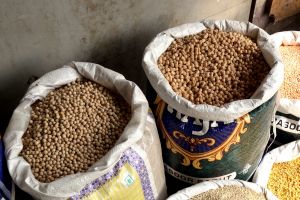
<point>37,36</point>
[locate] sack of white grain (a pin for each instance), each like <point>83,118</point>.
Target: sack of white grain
<point>288,112</point>
<point>75,138</point>
<point>279,171</point>
<point>214,89</point>
<point>224,190</point>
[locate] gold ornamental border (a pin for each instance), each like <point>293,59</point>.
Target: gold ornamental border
<point>212,155</point>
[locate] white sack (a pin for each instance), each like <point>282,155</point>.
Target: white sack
<point>140,135</point>
<point>229,111</point>
<point>283,153</point>
<point>286,38</point>
<point>199,188</point>
<point>288,106</point>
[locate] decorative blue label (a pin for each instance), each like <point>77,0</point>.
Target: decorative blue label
<point>196,139</point>
<point>189,134</point>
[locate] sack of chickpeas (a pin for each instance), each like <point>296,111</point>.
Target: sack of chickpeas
<point>213,93</point>
<point>279,171</point>
<point>84,131</point>
<point>224,190</point>
<point>288,113</point>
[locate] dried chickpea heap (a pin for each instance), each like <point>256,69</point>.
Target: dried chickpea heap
<point>291,60</point>
<point>214,67</point>
<point>230,192</point>
<point>72,128</point>
<point>284,180</point>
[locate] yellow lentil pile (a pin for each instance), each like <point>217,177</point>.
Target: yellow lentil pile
<point>284,180</point>
<point>72,128</point>
<point>230,192</point>
<point>291,60</point>
<point>214,67</point>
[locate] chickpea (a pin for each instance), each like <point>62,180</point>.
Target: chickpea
<point>61,137</point>
<point>199,66</point>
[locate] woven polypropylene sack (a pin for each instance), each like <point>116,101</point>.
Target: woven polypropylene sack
<point>281,154</point>
<point>205,142</point>
<point>194,190</point>
<point>288,111</point>
<point>129,168</point>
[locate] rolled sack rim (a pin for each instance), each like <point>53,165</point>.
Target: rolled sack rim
<point>199,188</point>
<point>229,111</point>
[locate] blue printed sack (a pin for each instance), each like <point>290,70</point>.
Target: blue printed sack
<point>204,142</point>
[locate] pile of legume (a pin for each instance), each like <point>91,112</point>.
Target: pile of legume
<point>284,180</point>
<point>214,67</point>
<point>72,128</point>
<point>291,60</point>
<point>231,192</point>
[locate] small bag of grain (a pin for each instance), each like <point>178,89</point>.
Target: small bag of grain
<point>214,87</point>
<point>279,171</point>
<point>84,131</point>
<point>224,190</point>
<point>288,112</point>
